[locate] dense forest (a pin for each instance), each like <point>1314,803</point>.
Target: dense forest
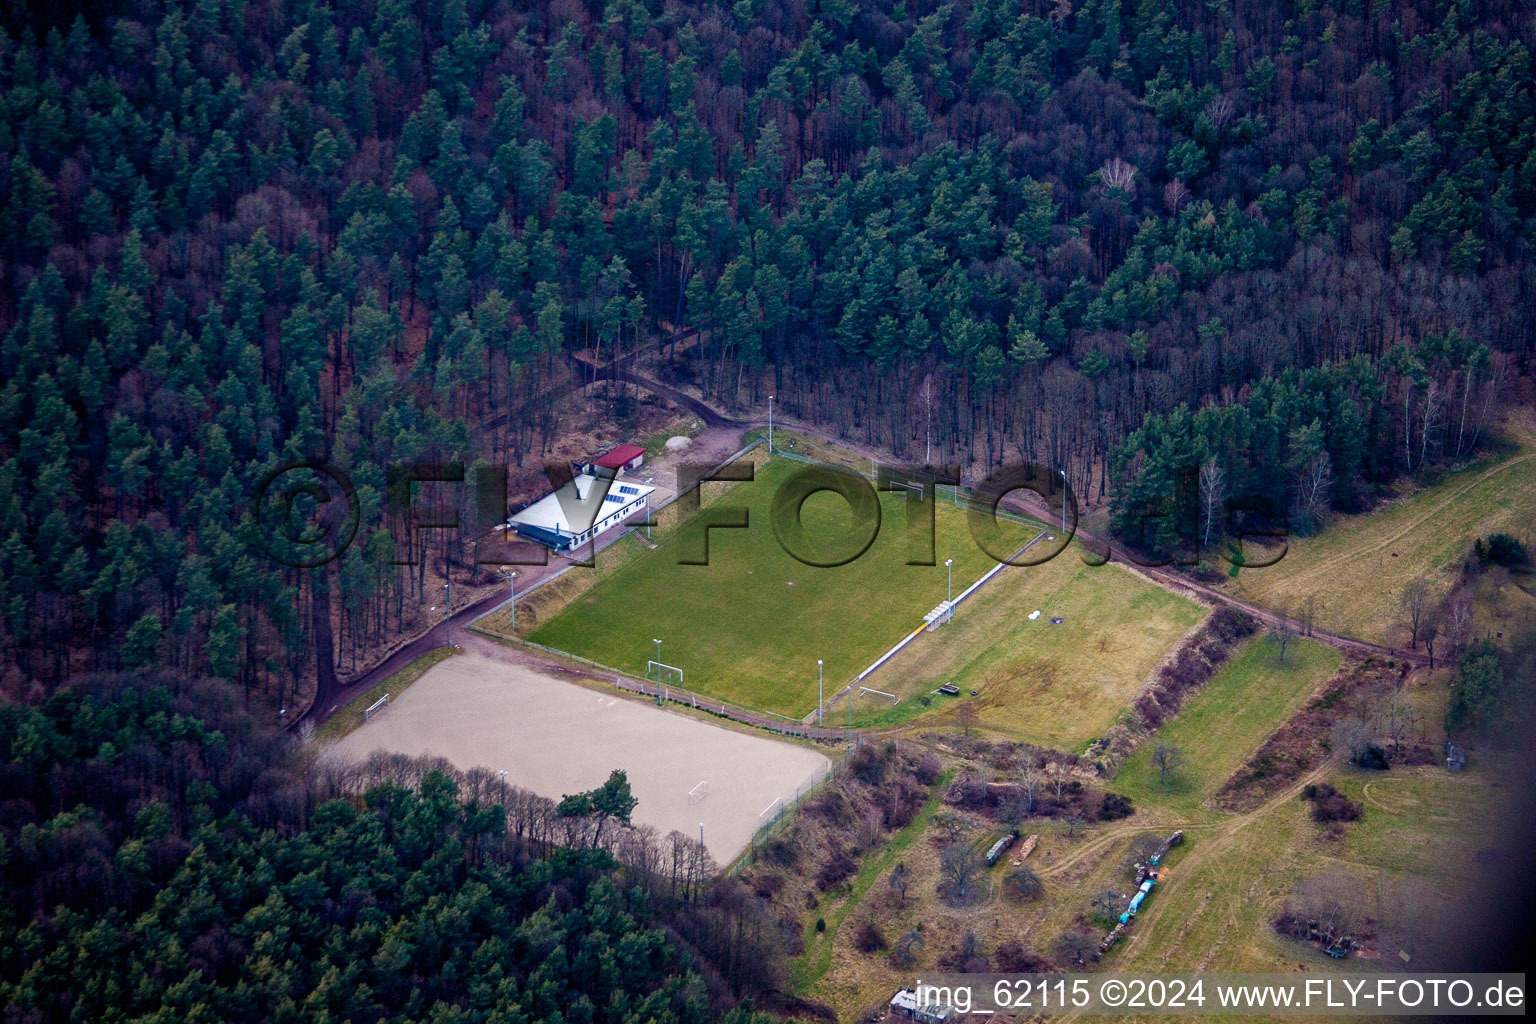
<point>1287,243</point>
<point>165,857</point>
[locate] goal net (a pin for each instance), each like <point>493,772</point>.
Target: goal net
<point>660,672</point>
<point>375,708</point>
<point>698,793</point>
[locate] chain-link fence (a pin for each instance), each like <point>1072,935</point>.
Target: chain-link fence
<point>786,808</point>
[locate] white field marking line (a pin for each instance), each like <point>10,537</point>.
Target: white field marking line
<point>963,595</point>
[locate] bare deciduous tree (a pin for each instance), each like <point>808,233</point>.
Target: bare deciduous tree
<point>1281,632</point>
<point>1029,786</point>
<point>1106,904</point>
<point>1395,717</point>
<point>1434,395</point>
<point>1219,112</point>
<point>960,862</point>
<point>1167,758</point>
<point>1314,485</point>
<point>1213,496</point>
<point>1175,195</point>
<point>1326,906</point>
<point>1143,846</point>
<point>1307,614</point>
<point>1059,779</point>
<point>1349,739</point>
<point>952,825</point>
<point>1415,602</point>
<point>905,951</point>
<point>1118,176</point>
<point>900,879</point>
<point>1458,623</point>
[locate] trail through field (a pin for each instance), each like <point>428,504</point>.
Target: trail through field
<point>1216,839</point>
<point>1329,566</point>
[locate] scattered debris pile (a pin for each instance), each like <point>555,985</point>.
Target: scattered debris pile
<point>1147,876</point>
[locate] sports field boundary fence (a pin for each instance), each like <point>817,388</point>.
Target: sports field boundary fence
<point>785,808</point>
<point>666,693</point>
<point>771,720</point>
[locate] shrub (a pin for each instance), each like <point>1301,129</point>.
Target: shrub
<point>869,938</point>
<point>1075,946</point>
<point>868,764</point>
<point>781,850</point>
<point>838,867</point>
<point>1230,624</point>
<point>768,884</point>
<point>1328,804</point>
<point>926,770</point>
<point>1115,807</point>
<point>833,806</point>
<point>1023,884</point>
<point>968,791</point>
<point>821,925</point>
<point>903,807</point>
<point>1372,757</point>
<point>1013,958</point>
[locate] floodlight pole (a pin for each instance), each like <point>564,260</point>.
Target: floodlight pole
<point>949,563</point>
<point>448,611</point>
<point>821,701</point>
<point>701,835</point>
<point>770,424</point>
<point>1063,501</point>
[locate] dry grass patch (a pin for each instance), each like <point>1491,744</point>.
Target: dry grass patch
<point>1357,567</point>
<point>1056,685</point>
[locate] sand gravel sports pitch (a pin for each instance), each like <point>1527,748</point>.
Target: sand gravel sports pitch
<point>555,737</point>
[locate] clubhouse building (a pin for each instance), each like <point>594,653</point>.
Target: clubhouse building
<point>568,517</point>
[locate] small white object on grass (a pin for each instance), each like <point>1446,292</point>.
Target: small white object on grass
<point>1034,615</point>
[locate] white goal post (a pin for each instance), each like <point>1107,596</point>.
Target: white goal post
<point>375,707</point>
<point>662,672</point>
<point>697,794</point>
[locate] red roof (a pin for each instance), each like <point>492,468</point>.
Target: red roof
<point>616,458</point>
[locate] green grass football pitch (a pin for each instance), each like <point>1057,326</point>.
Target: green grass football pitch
<point>749,626</point>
